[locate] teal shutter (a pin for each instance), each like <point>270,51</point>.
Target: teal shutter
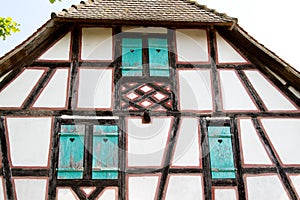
<point>105,152</point>
<point>158,57</point>
<point>221,154</point>
<point>71,151</point>
<point>132,64</point>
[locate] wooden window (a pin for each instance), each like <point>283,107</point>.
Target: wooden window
<point>132,64</point>
<point>158,57</point>
<point>103,151</point>
<point>145,56</point>
<point>221,154</point>
<point>71,151</point>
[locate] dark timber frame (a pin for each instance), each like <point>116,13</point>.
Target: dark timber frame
<point>217,116</point>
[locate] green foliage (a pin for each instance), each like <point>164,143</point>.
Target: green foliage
<point>7,27</point>
<point>53,1</point>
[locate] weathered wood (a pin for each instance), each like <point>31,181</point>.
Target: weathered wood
<point>215,75</point>
<point>32,97</point>
<point>238,159</point>
<point>72,98</point>
<point>53,160</point>
<point>53,64</point>
<point>207,182</point>
<point>167,160</point>
<point>32,48</point>
<point>259,102</point>
<point>120,113</point>
<point>7,174</point>
<point>168,24</point>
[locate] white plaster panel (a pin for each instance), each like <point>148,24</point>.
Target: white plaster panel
<point>191,45</point>
<point>234,94</point>
<point>65,194</point>
<point>187,146</point>
<point>139,29</point>
<point>108,194</point>
<point>55,93</point>
<point>270,95</point>
<point>2,190</point>
<point>97,44</point>
<point>184,187</point>
<point>195,90</point>
<point>296,183</point>
<point>33,189</point>
<point>29,141</point>
<point>60,50</point>
<point>225,194</point>
<point>226,53</point>
<point>88,190</point>
<point>284,135</point>
<point>95,88</point>
<point>147,142</point>
<point>17,91</point>
<point>252,147</point>
<point>142,187</point>
<point>265,187</point>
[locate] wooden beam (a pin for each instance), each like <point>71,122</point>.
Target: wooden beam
<point>32,48</point>
<point>260,56</point>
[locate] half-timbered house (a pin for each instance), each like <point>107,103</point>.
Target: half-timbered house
<point>144,100</point>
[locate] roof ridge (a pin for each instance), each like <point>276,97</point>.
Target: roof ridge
<point>195,3</point>
<point>214,11</point>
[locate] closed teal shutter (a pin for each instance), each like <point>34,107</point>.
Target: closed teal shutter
<point>71,151</point>
<point>132,64</point>
<point>158,57</point>
<point>221,154</point>
<point>105,152</point>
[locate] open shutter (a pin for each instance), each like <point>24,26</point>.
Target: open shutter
<point>158,57</point>
<point>221,155</point>
<point>105,152</point>
<point>132,64</point>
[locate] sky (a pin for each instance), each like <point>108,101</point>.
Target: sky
<point>274,23</point>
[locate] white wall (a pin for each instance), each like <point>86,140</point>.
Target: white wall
<point>187,187</point>
<point>265,187</point>
<point>271,96</point>
<point>33,188</point>
<point>191,45</point>
<point>253,151</point>
<point>97,44</point>
<point>142,187</point>
<point>54,95</point>
<point>29,141</point>
<point>18,90</point>
<point>187,148</point>
<point>234,94</point>
<point>195,92</point>
<point>60,50</point>
<point>147,142</point>
<point>226,53</point>
<point>95,88</point>
<point>284,136</point>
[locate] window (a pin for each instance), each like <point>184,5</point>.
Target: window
<point>103,151</point>
<point>221,154</point>
<point>145,57</point>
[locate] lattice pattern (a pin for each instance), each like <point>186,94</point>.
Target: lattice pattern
<point>146,96</point>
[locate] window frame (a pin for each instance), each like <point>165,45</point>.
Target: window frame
<point>87,171</point>
<point>145,52</point>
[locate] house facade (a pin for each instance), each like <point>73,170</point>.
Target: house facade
<point>147,99</point>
